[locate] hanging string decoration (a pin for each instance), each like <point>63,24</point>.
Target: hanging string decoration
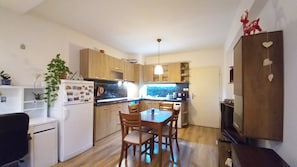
<point>267,62</point>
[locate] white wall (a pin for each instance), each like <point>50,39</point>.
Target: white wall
<point>277,15</point>
<point>43,40</point>
<point>202,58</point>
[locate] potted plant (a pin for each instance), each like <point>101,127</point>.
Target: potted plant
<point>56,70</point>
<point>5,78</point>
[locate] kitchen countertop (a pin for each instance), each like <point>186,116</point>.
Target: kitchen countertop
<point>138,99</point>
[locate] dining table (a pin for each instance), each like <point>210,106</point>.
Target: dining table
<point>156,119</point>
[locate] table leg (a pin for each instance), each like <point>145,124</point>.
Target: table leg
<point>160,145</point>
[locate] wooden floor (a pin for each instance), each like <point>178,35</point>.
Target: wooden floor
<point>197,149</point>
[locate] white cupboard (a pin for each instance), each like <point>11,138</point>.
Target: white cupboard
<point>43,149</point>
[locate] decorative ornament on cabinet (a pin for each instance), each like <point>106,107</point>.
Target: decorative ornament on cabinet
<point>249,27</point>
<point>267,61</point>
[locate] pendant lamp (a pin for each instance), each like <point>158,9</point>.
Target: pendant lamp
<point>158,68</point>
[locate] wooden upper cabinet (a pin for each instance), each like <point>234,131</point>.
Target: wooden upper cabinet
<point>129,73</point>
<point>148,72</point>
<point>258,84</point>
<point>90,63</point>
<point>116,64</point>
<point>93,64</point>
<point>174,72</point>
<point>138,73</point>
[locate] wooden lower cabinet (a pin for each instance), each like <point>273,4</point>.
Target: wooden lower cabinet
<point>106,119</point>
<point>147,104</point>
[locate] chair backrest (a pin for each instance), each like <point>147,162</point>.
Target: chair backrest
<point>166,106</point>
<point>135,108</point>
<point>13,137</point>
<point>175,117</point>
<point>130,121</point>
<point>173,120</point>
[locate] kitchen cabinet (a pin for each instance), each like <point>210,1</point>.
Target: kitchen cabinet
<point>102,122</point>
<point>163,77</point>
<point>129,73</point>
<point>138,73</point>
<point>184,114</point>
<point>94,64</point>
<point>148,71</point>
<point>258,86</point>
<point>147,104</point>
<point>106,120</point>
<point>184,72</point>
<point>116,64</point>
<point>173,72</point>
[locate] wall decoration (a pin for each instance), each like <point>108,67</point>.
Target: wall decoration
<point>267,61</point>
<point>251,27</point>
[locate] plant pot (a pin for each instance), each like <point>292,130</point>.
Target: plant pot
<point>63,75</point>
<point>5,82</point>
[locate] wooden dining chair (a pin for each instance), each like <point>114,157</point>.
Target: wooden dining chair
<point>166,106</point>
<point>134,137</point>
<point>134,108</point>
<point>169,132</point>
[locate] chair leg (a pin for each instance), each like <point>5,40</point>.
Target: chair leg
<point>139,158</point>
<point>176,142</point>
<point>126,151</point>
<point>166,142</point>
<point>151,148</point>
<point>121,157</point>
<point>171,150</point>
<point>134,149</point>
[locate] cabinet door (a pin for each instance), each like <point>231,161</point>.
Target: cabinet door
<point>184,72</point>
<point>45,148</point>
<point>184,114</point>
<point>102,122</point>
<point>174,72</point>
<point>148,71</point>
<point>104,66</point>
<point>116,64</point>
<point>129,71</point>
<point>237,80</point>
<point>138,73</point>
<point>115,119</point>
<point>89,63</point>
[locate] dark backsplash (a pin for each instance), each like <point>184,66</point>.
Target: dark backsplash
<point>109,89</point>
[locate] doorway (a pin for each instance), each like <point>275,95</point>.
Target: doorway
<point>205,96</point>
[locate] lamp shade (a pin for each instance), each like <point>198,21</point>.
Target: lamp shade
<point>158,69</point>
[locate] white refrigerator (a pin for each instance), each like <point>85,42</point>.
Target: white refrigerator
<point>74,112</point>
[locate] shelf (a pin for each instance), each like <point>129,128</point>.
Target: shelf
<point>34,101</point>
<point>33,109</point>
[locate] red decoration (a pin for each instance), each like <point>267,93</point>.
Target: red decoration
<point>249,27</point>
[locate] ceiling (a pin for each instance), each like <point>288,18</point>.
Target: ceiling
<point>132,26</point>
